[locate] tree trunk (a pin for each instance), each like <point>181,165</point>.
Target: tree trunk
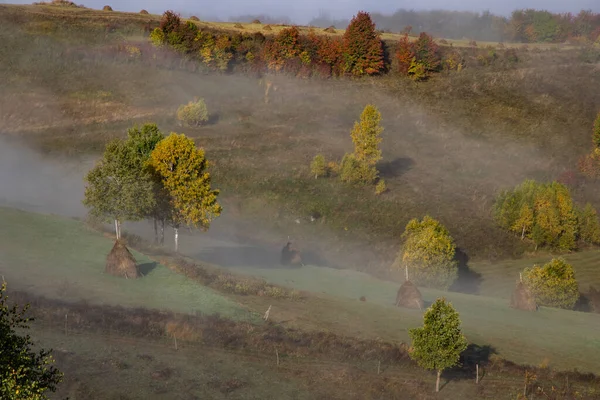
<point>176,239</point>
<point>523,233</point>
<point>155,231</point>
<point>437,382</point>
<point>117,230</point>
<point>162,232</point>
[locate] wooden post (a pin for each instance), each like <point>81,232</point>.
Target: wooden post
<point>277,355</point>
<point>175,337</point>
<point>66,320</point>
<point>379,367</point>
<point>477,368</point>
<point>406,272</point>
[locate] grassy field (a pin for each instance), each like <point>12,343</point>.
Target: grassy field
<point>66,261</point>
<point>60,258</point>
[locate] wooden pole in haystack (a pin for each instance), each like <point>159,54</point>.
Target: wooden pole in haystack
<point>406,271</point>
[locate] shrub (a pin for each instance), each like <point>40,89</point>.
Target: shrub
<point>363,49</point>
<point>544,213</point>
<point>355,172</point>
<point>157,37</point>
<point>366,136</point>
<point>318,166</point>
<point>107,8</point>
<point>380,188</point>
<point>194,113</point>
<point>170,22</point>
<point>427,52</point>
<point>553,284</point>
<point>417,71</point>
<point>429,253</point>
<point>145,12</point>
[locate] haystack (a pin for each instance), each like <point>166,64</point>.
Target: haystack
<point>107,8</point>
<point>120,262</point>
<point>145,12</point>
<point>522,299</point>
<point>409,296</point>
<point>290,256</point>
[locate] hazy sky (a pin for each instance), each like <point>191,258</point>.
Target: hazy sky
<point>303,11</point>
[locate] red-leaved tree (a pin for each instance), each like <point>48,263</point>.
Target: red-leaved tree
<point>404,54</point>
<point>363,50</point>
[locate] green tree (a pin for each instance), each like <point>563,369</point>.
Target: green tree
<point>439,343</point>
<point>544,213</point>
<point>429,253</point>
<point>142,142</point>
<point>553,284</point>
<point>356,172</point>
<point>24,374</point>
<point>589,227</point>
<point>194,113</point>
<point>182,168</point>
<point>362,47</point>
<point>366,136</point>
<point>318,166</point>
<point>117,188</point>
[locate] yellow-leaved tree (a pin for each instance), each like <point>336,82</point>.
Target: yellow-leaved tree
<point>553,284</point>
<point>182,169</point>
<point>428,253</point>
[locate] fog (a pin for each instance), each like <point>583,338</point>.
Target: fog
<point>302,12</point>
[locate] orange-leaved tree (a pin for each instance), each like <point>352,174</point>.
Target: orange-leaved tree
<point>182,169</point>
<point>363,49</point>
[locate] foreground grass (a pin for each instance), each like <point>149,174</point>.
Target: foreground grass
<point>62,259</point>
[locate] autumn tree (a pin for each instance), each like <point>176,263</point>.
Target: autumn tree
<point>362,47</point>
<point>142,142</point>
<point>117,188</point>
<point>438,344</point>
<point>589,165</point>
<point>24,374</point>
<point>182,168</point>
<point>553,284</point>
<point>429,254</point>
<point>318,166</point>
<point>544,213</point>
<point>589,226</point>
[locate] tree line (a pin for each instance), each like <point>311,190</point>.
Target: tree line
<point>523,25</point>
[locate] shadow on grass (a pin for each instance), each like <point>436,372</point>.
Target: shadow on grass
<point>146,268</point>
<point>475,355</point>
<point>395,168</point>
<point>468,281</point>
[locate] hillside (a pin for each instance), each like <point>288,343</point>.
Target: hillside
<point>450,144</point>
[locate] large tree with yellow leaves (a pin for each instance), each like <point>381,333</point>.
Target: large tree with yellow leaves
<point>182,169</point>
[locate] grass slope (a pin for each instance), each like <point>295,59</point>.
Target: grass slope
<point>60,258</point>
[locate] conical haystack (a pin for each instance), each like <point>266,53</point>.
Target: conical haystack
<point>290,256</point>
<point>120,262</point>
<point>409,296</point>
<point>522,299</point>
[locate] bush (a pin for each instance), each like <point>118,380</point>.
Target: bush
<point>157,37</point>
<point>429,253</point>
<point>380,188</point>
<point>356,172</point>
<point>553,284</point>
<point>170,22</point>
<point>318,166</point>
<point>194,113</point>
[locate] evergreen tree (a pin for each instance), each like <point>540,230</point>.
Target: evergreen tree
<point>362,47</point>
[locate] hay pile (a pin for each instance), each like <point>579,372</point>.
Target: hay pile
<point>522,299</point>
<point>409,296</point>
<point>120,262</point>
<point>145,12</point>
<point>290,256</point>
<point>107,8</point>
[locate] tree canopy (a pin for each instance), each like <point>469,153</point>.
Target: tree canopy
<point>117,187</point>
<point>429,253</point>
<point>438,344</point>
<point>24,374</point>
<point>182,168</point>
<point>553,284</point>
